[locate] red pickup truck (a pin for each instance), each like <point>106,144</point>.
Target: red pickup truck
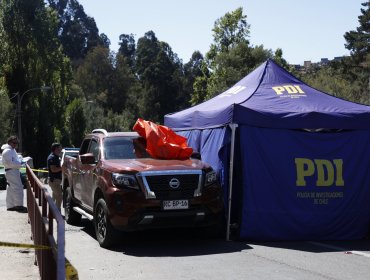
<point>114,182</point>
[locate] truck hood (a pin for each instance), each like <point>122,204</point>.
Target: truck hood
<point>149,164</point>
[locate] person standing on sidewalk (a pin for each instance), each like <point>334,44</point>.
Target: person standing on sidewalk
<point>12,164</point>
<point>55,173</point>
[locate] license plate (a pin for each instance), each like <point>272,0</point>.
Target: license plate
<point>175,204</point>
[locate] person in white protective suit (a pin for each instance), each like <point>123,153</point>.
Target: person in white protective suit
<point>12,164</point>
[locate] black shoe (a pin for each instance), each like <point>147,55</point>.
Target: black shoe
<point>19,209</point>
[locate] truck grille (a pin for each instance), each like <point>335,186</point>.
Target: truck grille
<point>172,185</point>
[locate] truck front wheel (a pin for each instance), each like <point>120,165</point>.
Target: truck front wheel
<point>105,233</point>
<point>70,215</point>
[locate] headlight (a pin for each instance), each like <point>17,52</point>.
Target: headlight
<point>211,178</point>
<point>125,180</point>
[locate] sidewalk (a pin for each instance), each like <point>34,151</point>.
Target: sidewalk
<point>16,263</point>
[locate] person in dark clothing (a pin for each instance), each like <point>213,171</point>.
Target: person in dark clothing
<point>55,173</point>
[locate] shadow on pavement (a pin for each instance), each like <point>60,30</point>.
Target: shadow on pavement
<point>169,242</point>
<point>193,242</point>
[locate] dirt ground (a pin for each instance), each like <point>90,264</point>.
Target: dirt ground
<point>16,263</point>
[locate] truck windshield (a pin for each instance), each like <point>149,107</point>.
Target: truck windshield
<point>125,148</point>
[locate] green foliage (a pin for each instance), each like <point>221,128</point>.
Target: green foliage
<point>108,84</point>
<point>230,57</point>
<point>160,74</point>
<point>75,122</point>
<point>7,115</point>
<point>278,57</point>
<point>78,32</point>
<point>127,48</point>
<point>332,82</point>
<point>357,68</point>
<point>358,41</point>
<point>125,87</point>
<point>94,75</point>
<point>349,78</point>
<point>114,122</point>
<point>192,70</point>
<point>196,76</point>
<point>32,57</point>
<point>229,31</point>
<point>38,45</point>
<point>94,116</point>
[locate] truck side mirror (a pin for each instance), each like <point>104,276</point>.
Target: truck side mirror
<point>87,158</point>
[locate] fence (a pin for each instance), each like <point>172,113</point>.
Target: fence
<point>42,213</point>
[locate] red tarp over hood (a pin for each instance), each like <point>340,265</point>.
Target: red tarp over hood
<point>162,142</point>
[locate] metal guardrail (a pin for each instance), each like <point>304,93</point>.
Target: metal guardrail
<point>42,212</point>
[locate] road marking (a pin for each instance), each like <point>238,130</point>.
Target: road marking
<point>340,249</point>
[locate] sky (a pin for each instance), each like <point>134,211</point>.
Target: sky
<point>303,29</point>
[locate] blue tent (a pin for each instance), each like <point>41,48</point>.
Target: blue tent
<point>294,161</point>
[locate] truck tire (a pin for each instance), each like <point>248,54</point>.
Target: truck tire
<point>70,215</point>
<point>106,235</point>
<point>3,186</point>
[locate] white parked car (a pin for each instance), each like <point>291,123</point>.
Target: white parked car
<point>73,152</point>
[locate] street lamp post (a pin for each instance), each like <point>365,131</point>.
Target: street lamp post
<point>19,112</point>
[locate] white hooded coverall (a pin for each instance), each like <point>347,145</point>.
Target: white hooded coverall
<point>14,193</point>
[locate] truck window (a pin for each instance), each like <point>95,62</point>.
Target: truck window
<point>140,148</point>
<point>119,148</point>
<point>94,149</point>
<point>84,146</point>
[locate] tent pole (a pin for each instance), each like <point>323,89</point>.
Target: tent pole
<point>233,127</point>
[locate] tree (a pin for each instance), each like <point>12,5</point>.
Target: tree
<point>7,115</point>
<point>125,87</point>
<point>358,41</point>
<point>94,76</point>
<point>75,122</point>
<point>78,32</point>
<point>357,67</point>
<point>200,85</point>
<point>229,31</point>
<point>105,42</point>
<point>230,57</point>
<point>192,70</point>
<point>93,115</point>
<point>117,122</point>
<point>127,48</point>
<point>31,56</point>
<point>160,73</point>
<point>278,57</point>
<point>331,80</point>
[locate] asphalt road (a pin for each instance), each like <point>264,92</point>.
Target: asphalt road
<point>186,254</point>
<point>179,254</point>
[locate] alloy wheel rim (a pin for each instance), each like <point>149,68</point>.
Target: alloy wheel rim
<point>102,223</point>
<point>67,207</point>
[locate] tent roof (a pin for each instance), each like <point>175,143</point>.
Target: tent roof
<point>272,97</point>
